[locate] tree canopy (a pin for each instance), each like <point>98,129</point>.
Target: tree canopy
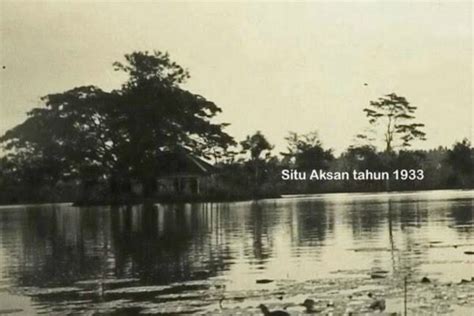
<point>393,116</point>
<point>256,144</point>
<point>87,132</point>
<point>306,151</point>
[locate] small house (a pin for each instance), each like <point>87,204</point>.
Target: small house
<point>181,172</point>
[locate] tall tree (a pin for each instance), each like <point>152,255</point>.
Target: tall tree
<point>257,145</point>
<point>161,115</point>
<point>393,116</point>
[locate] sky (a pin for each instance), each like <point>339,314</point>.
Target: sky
<point>271,66</point>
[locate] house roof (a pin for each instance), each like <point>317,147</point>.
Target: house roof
<point>182,163</point>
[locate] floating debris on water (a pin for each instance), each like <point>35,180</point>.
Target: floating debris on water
<point>336,296</point>
<point>425,280</point>
<point>264,281</point>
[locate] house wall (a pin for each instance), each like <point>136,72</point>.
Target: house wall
<point>184,184</point>
<point>136,188</point>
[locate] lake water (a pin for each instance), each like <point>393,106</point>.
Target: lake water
<point>226,258</point>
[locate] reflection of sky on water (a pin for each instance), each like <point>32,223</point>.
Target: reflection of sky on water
<point>337,235</point>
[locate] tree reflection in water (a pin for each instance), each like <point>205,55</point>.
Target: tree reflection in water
<point>237,243</point>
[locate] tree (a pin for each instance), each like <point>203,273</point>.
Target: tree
<point>306,151</point>
<point>257,145</point>
<point>461,160</point>
<point>394,116</point>
<point>363,158</point>
<point>88,133</point>
<point>74,136</point>
<point>161,115</point>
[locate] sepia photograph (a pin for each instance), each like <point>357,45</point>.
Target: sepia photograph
<point>272,158</point>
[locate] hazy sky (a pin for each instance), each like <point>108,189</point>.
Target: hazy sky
<point>271,66</point>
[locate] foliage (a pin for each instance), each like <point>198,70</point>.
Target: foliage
<point>256,144</point>
<point>86,132</point>
<point>161,116</point>
<point>393,115</point>
<point>461,160</point>
<point>363,158</point>
<point>103,140</point>
<point>306,151</point>
<point>259,167</point>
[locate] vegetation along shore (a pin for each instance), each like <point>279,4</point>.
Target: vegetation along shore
<point>153,140</point>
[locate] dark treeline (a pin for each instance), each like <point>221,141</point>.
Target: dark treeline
<point>443,168</point>
<point>101,140</point>
<point>89,144</point>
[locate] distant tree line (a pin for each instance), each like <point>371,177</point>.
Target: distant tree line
<point>90,142</point>
<point>443,168</point>
<point>391,121</point>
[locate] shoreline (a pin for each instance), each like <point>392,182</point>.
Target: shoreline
<point>178,200</point>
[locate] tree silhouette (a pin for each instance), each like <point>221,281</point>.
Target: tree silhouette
<point>256,145</point>
<point>70,136</point>
<point>161,115</point>
<point>394,116</point>
<point>461,160</point>
<point>306,151</point>
<point>87,133</point>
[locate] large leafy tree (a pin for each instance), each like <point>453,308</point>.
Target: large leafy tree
<point>161,115</point>
<point>393,116</point>
<point>89,133</point>
<point>74,133</point>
